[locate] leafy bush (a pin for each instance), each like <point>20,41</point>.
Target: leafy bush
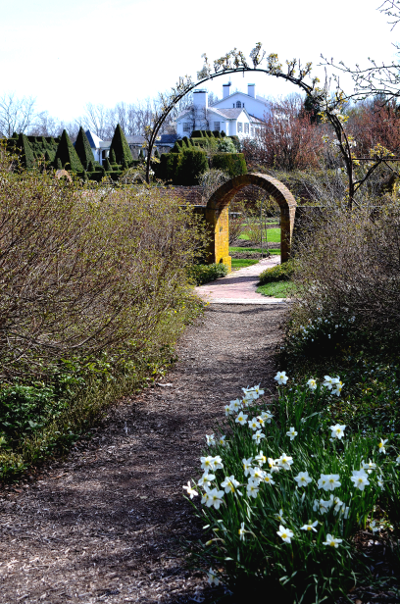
<point>184,168</point>
<point>83,149</point>
<point>232,163</point>
<point>285,492</point>
<point>204,273</point>
<point>280,272</point>
<point>67,155</point>
<point>119,145</point>
<point>226,146</point>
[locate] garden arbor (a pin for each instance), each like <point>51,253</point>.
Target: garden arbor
<point>216,214</point>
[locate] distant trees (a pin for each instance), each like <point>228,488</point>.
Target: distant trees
<point>16,115</point>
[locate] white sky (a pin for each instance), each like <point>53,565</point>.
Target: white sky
<point>68,53</point>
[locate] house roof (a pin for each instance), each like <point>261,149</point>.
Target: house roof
<point>259,98</point>
<point>93,139</point>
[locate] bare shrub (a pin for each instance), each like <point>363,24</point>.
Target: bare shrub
<point>349,269</point>
<point>83,269</point>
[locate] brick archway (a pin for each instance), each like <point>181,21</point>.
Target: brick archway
<point>217,213</point>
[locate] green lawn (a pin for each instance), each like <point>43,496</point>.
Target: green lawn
<point>277,289</point>
<point>233,249</point>
<point>242,262</point>
<point>273,235</point>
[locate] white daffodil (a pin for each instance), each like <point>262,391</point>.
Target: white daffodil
<point>210,439</point>
<point>325,505</point>
<point>207,463</point>
<point>337,388</point>
<point>273,465</point>
<point>228,410</point>
<point>285,534</point>
<point>310,527</point>
<point>190,491</point>
<point>312,384</point>
<point>338,505</point>
<point>247,465</point>
<point>381,484</point>
<point>381,445</point>
<point>332,541</point>
<point>205,497</point>
<point>221,440</point>
<point>281,377</point>
<point>257,436</point>
<point>241,419</point>
<point>253,424</point>
<point>284,461</point>
<point>212,577</point>
<point>260,459</point>
<point>258,390</point>
<point>214,498</point>
<point>291,433</point>
<point>229,484</point>
<point>236,405</point>
<point>267,416</point>
<point>279,516</point>
<point>360,479</point>
<point>338,431</point>
<point>329,482</point>
<point>242,532</point>
<point>370,466</point>
<point>205,480</point>
<point>398,460</point>
<point>303,479</point>
<point>252,488</point>
<point>257,474</point>
<point>330,382</point>
<point>268,479</point>
<point>217,463</point>
<point>374,527</point>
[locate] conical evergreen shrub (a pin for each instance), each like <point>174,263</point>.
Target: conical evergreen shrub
<point>106,165</point>
<point>83,149</point>
<point>27,156</point>
<point>120,147</point>
<point>113,159</point>
<point>141,155</point>
<point>67,155</point>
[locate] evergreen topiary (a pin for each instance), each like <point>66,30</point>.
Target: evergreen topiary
<point>121,148</point>
<point>106,165</point>
<point>232,163</point>
<point>58,163</point>
<point>141,155</point>
<point>27,156</point>
<point>113,159</point>
<point>157,153</point>
<point>67,155</point>
<point>83,149</point>
<point>90,167</point>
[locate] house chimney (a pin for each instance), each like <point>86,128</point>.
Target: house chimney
<point>226,90</point>
<point>251,90</point>
<point>200,99</point>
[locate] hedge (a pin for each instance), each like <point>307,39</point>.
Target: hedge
<point>83,149</point>
<point>120,146</point>
<point>182,168</point>
<point>232,163</point>
<point>67,155</point>
<point>204,273</point>
<point>281,272</point>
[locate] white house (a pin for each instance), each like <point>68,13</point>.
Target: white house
<point>237,113</point>
<point>101,148</point>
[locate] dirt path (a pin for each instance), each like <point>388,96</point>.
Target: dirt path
<point>107,523</point>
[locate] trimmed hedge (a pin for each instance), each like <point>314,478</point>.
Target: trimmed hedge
<point>120,146</point>
<point>83,149</point>
<point>204,273</point>
<point>182,168</point>
<point>280,272</point>
<point>67,155</point>
<point>27,156</point>
<point>232,163</point>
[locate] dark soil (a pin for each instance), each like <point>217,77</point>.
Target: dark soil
<point>109,523</point>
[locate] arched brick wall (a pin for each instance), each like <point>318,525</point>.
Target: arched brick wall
<point>217,213</point>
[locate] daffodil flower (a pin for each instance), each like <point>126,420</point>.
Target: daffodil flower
<point>329,482</point>
<point>210,439</point>
<point>310,527</point>
<point>214,498</point>
<point>330,382</point>
<point>332,541</point>
<point>228,410</point>
<point>337,431</point>
<point>267,416</point>
<point>292,433</point>
<point>279,516</point>
<point>242,532</point>
<point>381,445</point>
<point>247,465</point>
<point>253,424</point>
<point>273,464</point>
<point>268,479</point>
<point>337,388</point>
<point>229,484</point>
<point>257,436</point>
<point>285,534</point>
<point>241,419</point>
<point>236,405</point>
<point>207,463</point>
<point>257,474</point>
<point>360,479</point>
<point>260,458</point>
<point>258,390</point>
<point>212,577</point>
<point>284,461</point>
<point>221,440</point>
<point>398,460</point>
<point>312,384</point>
<point>205,480</point>
<point>190,491</point>
<point>368,466</point>
<point>281,377</point>
<point>217,463</point>
<point>303,479</point>
<point>252,488</point>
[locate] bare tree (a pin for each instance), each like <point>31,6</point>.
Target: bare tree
<point>16,114</point>
<point>46,125</point>
<point>96,118</point>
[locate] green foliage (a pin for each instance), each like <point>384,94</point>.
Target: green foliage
<point>106,165</point>
<point>182,168</point>
<point>238,263</point>
<point>226,146</point>
<point>67,155</point>
<point>232,163</point>
<point>121,148</point>
<point>141,155</point>
<point>112,157</point>
<point>83,149</point>
<point>26,153</point>
<point>204,273</point>
<point>278,289</point>
<point>280,272</point>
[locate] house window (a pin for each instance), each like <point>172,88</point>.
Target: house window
<point>246,128</point>
<point>217,126</point>
<point>238,104</point>
<point>186,126</point>
<point>240,127</point>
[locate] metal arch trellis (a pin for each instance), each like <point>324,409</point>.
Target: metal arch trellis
<point>233,62</point>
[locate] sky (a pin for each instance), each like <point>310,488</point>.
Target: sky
<point>67,54</point>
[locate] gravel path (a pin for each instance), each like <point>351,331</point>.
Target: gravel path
<point>108,523</point>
